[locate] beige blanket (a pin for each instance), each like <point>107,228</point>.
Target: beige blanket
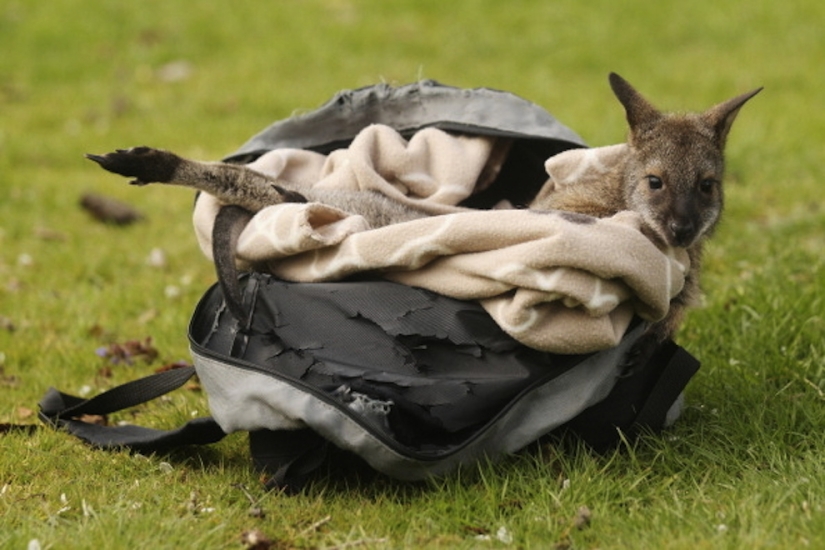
<point>559,283</point>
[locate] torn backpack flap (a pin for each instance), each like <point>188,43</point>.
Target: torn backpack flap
<point>413,382</point>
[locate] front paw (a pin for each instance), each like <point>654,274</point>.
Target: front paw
<point>144,164</point>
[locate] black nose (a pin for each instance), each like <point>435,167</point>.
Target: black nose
<point>682,231</point>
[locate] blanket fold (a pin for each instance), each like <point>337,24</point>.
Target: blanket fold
<point>555,281</point>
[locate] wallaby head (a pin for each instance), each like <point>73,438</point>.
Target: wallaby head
<point>673,176</point>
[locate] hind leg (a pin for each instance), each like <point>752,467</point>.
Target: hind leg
<point>229,183</point>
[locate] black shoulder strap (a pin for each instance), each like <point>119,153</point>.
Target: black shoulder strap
<point>639,401</point>
<point>286,457</point>
<point>679,366</point>
<point>61,410</point>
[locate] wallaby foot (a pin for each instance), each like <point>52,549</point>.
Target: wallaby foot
<point>144,164</point>
<point>229,183</point>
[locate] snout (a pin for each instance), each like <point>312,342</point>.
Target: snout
<point>681,232</point>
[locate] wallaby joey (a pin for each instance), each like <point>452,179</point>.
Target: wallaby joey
<point>671,176</point>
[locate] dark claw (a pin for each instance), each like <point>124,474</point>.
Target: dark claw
<point>97,158</point>
<point>105,162</point>
<point>144,164</point>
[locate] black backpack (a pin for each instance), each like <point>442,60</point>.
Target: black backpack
<point>412,382</point>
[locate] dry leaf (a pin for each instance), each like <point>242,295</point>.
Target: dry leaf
<point>47,234</point>
<point>175,71</point>
<point>105,372</point>
<point>7,380</point>
<point>256,540</point>
<point>96,419</point>
<point>7,324</point>
<point>109,210</point>
<point>126,352</point>
<point>174,365</point>
<point>147,316</point>
<point>583,518</point>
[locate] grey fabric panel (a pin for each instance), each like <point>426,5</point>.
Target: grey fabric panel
<point>409,108</point>
<point>245,400</point>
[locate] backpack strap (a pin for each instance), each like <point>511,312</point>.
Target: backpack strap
<point>61,410</point>
<point>679,366</point>
<point>287,457</point>
<point>639,401</point>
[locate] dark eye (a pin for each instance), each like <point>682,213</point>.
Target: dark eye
<point>655,182</point>
<point>706,185</point>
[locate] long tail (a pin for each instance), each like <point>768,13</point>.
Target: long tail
<point>229,223</point>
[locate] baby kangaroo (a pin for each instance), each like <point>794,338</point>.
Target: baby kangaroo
<point>671,176</point>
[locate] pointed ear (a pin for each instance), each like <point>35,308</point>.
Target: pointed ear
<point>721,116</point>
<point>639,111</point>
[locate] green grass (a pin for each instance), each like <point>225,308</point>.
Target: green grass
<point>745,466</point>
